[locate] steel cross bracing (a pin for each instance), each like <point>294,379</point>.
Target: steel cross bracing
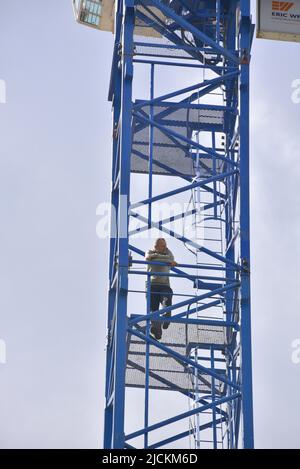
<point>196,138</point>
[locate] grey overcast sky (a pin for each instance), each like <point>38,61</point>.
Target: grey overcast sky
<point>55,138</point>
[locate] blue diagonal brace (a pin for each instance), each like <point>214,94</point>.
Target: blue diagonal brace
<point>188,187</point>
<point>195,31</point>
<point>190,301</point>
<point>217,402</point>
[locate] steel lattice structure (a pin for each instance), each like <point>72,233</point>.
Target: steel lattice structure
<point>199,137</point>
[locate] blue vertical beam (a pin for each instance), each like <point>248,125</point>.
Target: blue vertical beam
<point>147,360</point>
<point>237,422</point>
<point>218,18</point>
<point>247,404</point>
<point>147,366</point>
<point>151,133</point>
<point>231,414</point>
<point>213,397</point>
<point>214,173</point>
<point>108,414</point>
<point>233,184</point>
<point>237,406</point>
<point>124,193</point>
<point>229,130</point>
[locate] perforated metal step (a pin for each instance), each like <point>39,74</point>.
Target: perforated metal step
<point>169,152</point>
<point>165,371</point>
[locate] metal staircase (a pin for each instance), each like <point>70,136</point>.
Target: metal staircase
<point>196,136</point>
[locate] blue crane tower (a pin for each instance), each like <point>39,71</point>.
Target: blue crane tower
<point>186,143</point>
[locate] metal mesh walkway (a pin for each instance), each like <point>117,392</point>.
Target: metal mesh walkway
<point>168,151</point>
<point>165,371</point>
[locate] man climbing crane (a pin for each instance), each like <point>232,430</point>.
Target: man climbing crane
<point>160,290</point>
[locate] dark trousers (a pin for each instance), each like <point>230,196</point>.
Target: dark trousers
<point>160,294</point>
